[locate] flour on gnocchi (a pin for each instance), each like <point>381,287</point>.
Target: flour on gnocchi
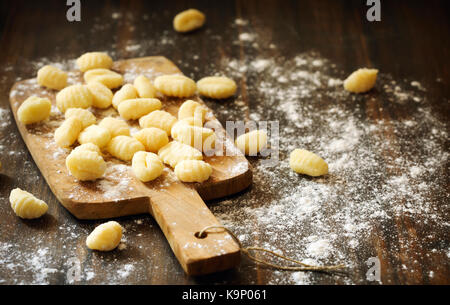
<point>188,20</point>
<point>146,166</point>
<point>95,134</point>
<point>124,147</point>
<point>94,60</point>
<point>67,133</point>
<point>26,205</point>
<point>86,117</point>
<point>193,171</point>
<point>136,108</point>
<point>107,77</point>
<point>152,138</point>
<point>252,142</point>
<point>52,77</point>
<point>160,119</point>
<point>308,163</point>
<point>217,87</point>
<point>175,152</point>
<point>105,237</point>
<point>34,109</point>
<point>85,163</point>
<point>101,95</point>
<point>362,80</point>
<point>175,85</point>
<point>75,96</point>
<point>144,87</point>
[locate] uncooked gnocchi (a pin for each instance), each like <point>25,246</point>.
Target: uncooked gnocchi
<point>159,119</point>
<point>146,166</point>
<point>34,109</point>
<point>152,138</point>
<point>252,142</point>
<point>217,87</point>
<point>85,163</point>
<point>188,20</point>
<point>124,147</point>
<point>144,87</point>
<point>362,80</point>
<point>101,95</point>
<point>200,138</point>
<point>127,92</point>
<point>175,152</point>
<point>105,237</point>
<point>193,171</point>
<point>26,205</point>
<point>116,127</point>
<point>75,96</point>
<point>94,60</point>
<point>86,117</point>
<point>95,134</point>
<point>52,77</point>
<point>67,133</point>
<point>88,147</point>
<point>137,108</point>
<point>175,85</point>
<point>192,109</point>
<point>107,77</point>
<point>308,163</point>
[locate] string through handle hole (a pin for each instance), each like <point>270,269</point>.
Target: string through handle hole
<point>197,234</point>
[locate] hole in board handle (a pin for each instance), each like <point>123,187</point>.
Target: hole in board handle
<point>197,234</point>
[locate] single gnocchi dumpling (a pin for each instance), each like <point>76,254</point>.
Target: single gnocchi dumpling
<point>152,138</point>
<point>127,92</point>
<point>86,117</point>
<point>124,147</point>
<point>201,138</point>
<point>188,20</point>
<point>26,205</point>
<point>175,152</point>
<point>362,80</point>
<point>308,163</point>
<point>94,60</point>
<point>95,134</point>
<point>101,95</point>
<point>85,163</point>
<point>193,171</point>
<point>252,143</point>
<point>52,77</point>
<point>116,127</point>
<point>105,237</point>
<point>67,133</point>
<point>75,96</point>
<point>175,85</point>
<point>159,119</point>
<point>34,109</point>
<point>217,87</point>
<point>88,147</point>
<point>107,77</point>
<point>146,166</point>
<point>144,87</point>
<point>137,108</point>
<point>192,109</point>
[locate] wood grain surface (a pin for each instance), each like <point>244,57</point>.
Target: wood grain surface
<point>411,43</point>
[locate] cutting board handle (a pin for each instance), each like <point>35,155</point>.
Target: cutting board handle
<point>181,213</point>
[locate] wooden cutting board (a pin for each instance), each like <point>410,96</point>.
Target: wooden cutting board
<point>177,207</point>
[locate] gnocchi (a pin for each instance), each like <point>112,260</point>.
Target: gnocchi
<point>175,152</point>
<point>136,108</point>
<point>193,171</point>
<point>188,20</point>
<point>34,109</point>
<point>101,95</point>
<point>86,117</point>
<point>95,134</point>
<point>217,87</point>
<point>107,77</point>
<point>308,163</point>
<point>127,92</point>
<point>152,138</point>
<point>67,133</point>
<point>52,77</point>
<point>94,60</point>
<point>85,163</point>
<point>105,237</point>
<point>144,87</point>
<point>252,142</point>
<point>200,138</point>
<point>192,109</point>
<point>26,205</point>
<point>116,127</point>
<point>88,147</point>
<point>159,119</point>
<point>362,80</point>
<point>175,85</point>
<point>75,96</point>
<point>124,147</point>
<point>146,166</point>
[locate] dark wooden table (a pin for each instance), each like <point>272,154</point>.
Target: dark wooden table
<point>387,192</point>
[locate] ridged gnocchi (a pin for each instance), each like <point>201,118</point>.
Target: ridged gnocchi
<point>188,20</point>
<point>137,108</point>
<point>203,139</point>
<point>217,87</point>
<point>160,119</point>
<point>107,77</point>
<point>192,109</point>
<point>308,163</point>
<point>94,60</point>
<point>101,95</point>
<point>86,117</point>
<point>124,147</point>
<point>75,96</point>
<point>152,138</point>
<point>362,80</point>
<point>127,92</point>
<point>85,163</point>
<point>193,171</point>
<point>116,127</point>
<point>105,237</point>
<point>88,147</point>
<point>144,87</point>
<point>175,85</point>
<point>26,205</point>
<point>175,152</point>
<point>146,166</point>
<point>67,133</point>
<point>52,77</point>
<point>252,142</point>
<point>34,109</point>
<point>95,134</point>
